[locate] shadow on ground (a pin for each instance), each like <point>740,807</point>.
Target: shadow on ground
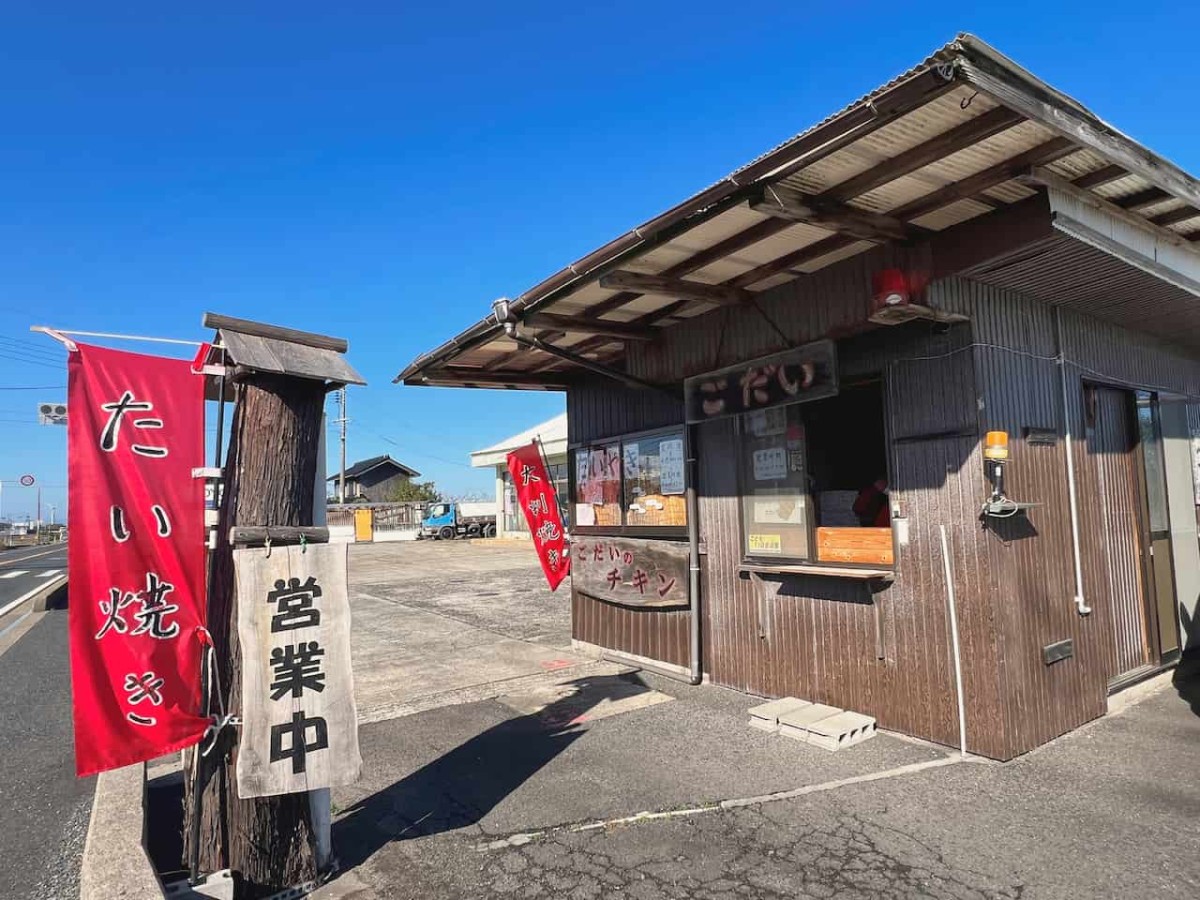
<point>460,787</point>
<point>1187,679</point>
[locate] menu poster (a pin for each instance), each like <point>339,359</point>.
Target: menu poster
<point>633,462</point>
<point>670,462</point>
<point>770,464</point>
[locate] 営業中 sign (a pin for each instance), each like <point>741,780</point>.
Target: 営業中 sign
<point>299,723</point>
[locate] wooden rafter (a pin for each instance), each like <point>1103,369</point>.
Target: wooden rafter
<point>1141,199</point>
<point>958,138</point>
<point>464,375</point>
<point>1176,215</point>
<point>1100,176</point>
<point>787,203</point>
<point>723,295</point>
<point>971,187</point>
<point>600,327</point>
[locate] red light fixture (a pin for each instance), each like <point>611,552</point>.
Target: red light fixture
<point>890,287</point>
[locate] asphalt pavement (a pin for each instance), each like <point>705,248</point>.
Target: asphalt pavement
<point>46,807</point>
<point>38,788</point>
<point>26,569</point>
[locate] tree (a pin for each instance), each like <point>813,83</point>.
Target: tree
<point>408,491</point>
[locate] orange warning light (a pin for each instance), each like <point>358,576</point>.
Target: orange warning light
<point>995,446</point>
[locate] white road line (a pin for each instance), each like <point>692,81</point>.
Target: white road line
<point>16,573</point>
<point>57,549</point>
<point>4,610</point>
<point>50,574</point>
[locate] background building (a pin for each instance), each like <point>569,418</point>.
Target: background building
<point>553,435</point>
<point>373,480</point>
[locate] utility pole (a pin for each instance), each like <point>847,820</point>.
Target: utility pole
<point>342,422</point>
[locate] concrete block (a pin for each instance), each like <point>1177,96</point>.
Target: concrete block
<point>840,731</point>
<point>766,716</point>
<point>795,724</point>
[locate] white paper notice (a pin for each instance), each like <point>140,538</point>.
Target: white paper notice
<point>585,515</point>
<point>633,462</point>
<point>670,464</point>
<point>770,464</point>
<point>779,511</point>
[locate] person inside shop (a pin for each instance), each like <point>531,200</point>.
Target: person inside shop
<point>871,505</point>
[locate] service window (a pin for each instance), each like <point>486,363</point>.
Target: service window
<point>631,483</point>
<point>814,484</point>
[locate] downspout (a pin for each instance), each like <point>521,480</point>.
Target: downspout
<point>693,529</point>
<point>1080,605</point>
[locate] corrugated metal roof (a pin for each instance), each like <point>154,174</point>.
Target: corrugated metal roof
<point>705,238</point>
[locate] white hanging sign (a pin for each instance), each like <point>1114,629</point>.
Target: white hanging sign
<point>299,722</point>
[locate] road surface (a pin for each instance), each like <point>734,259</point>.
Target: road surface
<point>38,788</point>
<point>25,570</point>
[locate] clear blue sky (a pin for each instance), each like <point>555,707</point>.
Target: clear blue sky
<point>381,172</point>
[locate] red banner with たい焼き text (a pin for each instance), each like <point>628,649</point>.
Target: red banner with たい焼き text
<point>136,555</point>
<point>535,493</point>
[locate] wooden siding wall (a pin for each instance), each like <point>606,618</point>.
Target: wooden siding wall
<point>601,410</point>
<point>816,637</point>
<point>1032,565</point>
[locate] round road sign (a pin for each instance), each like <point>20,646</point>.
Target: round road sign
<point>27,481</point>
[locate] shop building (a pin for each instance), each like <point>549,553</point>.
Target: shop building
<point>552,436</point>
<point>898,416</point>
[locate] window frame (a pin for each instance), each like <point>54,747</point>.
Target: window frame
<point>625,530</point>
<point>767,562</point>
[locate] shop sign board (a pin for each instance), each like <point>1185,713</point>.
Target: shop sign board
<point>299,724</point>
<point>631,571</point>
<point>793,376</point>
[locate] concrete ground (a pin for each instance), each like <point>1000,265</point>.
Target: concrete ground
<point>436,623</point>
<point>526,777</point>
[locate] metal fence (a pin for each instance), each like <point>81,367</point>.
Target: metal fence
<point>387,517</point>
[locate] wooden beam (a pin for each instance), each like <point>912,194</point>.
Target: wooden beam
<point>1100,176</point>
<point>723,295</point>
<point>795,258</point>
<point>623,331</point>
<point>464,376</point>
<point>787,203</point>
<point>1141,199</point>
<point>968,187</point>
<point>1176,215</point>
<point>970,132</point>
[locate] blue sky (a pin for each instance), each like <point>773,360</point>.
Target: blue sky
<point>382,171</point>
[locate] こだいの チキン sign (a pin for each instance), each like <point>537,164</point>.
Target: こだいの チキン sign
<point>630,571</point>
<point>299,722</point>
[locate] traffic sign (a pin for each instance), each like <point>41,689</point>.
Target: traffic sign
<point>27,481</point>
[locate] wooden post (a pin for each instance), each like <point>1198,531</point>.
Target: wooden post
<point>267,842</point>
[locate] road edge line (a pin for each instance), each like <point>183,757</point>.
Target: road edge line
<point>46,589</point>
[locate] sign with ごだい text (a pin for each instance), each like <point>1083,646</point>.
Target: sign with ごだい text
<point>299,722</point>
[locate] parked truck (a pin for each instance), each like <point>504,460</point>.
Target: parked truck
<point>447,520</point>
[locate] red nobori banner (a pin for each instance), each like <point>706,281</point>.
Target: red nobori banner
<point>136,555</point>
<point>535,493</point>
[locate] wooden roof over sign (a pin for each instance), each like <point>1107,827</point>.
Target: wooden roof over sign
<point>283,351</point>
<point>963,134</point>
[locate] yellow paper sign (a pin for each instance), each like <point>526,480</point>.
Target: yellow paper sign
<point>765,543</point>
